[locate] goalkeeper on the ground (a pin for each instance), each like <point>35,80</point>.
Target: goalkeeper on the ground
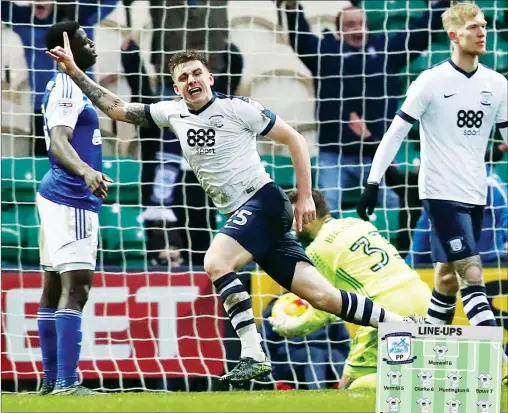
<point>355,257</point>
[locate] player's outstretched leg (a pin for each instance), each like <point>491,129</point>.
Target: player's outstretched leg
<point>310,285</point>
<point>75,287</point>
<point>221,260</point>
<point>444,295</point>
<point>51,292</point>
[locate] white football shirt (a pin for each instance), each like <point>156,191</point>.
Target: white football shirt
<point>440,352</point>
<point>457,112</point>
<point>393,403</point>
<point>453,405</point>
<point>219,143</point>
<point>424,377</point>
<point>454,378</point>
<point>484,380</point>
<point>484,406</point>
<point>394,376</point>
<point>424,404</point>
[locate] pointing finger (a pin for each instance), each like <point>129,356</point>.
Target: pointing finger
<point>299,219</point>
<point>67,45</point>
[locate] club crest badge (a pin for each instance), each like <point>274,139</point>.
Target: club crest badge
<point>486,96</point>
<point>216,120</point>
<point>398,348</point>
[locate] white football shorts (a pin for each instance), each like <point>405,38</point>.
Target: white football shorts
<point>68,237</point>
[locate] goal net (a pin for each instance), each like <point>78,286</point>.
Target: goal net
<point>153,319</point>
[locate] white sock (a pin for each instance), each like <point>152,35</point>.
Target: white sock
<point>251,343</point>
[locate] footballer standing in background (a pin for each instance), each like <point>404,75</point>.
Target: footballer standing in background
<point>355,257</point>
<point>218,138</point>
<point>68,201</point>
<point>457,103</point>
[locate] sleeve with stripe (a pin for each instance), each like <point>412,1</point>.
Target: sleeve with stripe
<point>415,105</point>
<point>253,115</point>
<point>159,114</point>
<point>65,103</point>
<point>502,112</point>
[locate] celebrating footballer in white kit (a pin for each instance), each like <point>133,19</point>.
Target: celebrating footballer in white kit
<point>457,104</point>
<point>218,138</point>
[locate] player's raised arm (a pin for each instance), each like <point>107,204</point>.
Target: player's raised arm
<point>112,105</point>
<point>281,132</point>
<point>413,108</point>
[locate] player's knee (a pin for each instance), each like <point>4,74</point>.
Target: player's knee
<point>78,296</point>
<point>215,266</point>
<point>473,277</point>
<point>470,271</point>
<point>448,283</point>
<point>75,295</point>
<point>323,300</point>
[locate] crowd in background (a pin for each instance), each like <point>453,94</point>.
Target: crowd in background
<point>357,84</point>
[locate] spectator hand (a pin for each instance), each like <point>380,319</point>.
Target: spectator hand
<point>97,182</point>
<point>503,147</point>
<point>63,56</point>
<point>367,201</point>
<point>305,211</point>
<point>358,126</point>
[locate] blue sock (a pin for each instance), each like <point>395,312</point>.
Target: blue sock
<point>68,328</point>
<point>441,308</point>
<point>48,340</point>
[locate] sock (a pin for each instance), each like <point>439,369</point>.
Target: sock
<point>48,341</point>
<point>238,306</point>
<point>361,310</point>
<point>68,328</point>
<point>476,306</point>
<point>441,309</point>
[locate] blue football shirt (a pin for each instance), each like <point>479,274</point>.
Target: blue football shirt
<point>64,104</point>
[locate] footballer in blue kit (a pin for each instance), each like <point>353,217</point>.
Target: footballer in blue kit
<point>218,134</point>
<point>68,201</point>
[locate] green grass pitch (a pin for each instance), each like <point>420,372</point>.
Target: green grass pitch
<point>258,401</point>
<point>237,401</point>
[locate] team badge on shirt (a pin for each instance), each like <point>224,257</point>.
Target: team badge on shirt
<point>216,120</point>
<point>486,96</point>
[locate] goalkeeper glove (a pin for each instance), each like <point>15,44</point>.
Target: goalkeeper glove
<point>367,201</point>
<point>309,322</point>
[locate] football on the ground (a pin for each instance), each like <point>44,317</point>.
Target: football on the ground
<point>289,305</point>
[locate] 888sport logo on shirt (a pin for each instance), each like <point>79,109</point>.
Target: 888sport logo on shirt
<point>471,121</point>
<point>203,140</point>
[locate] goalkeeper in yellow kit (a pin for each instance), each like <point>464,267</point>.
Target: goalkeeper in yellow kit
<point>353,255</point>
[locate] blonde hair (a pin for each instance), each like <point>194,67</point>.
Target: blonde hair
<point>457,15</point>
